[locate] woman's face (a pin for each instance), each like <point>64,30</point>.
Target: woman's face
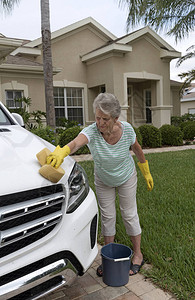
<point>104,121</point>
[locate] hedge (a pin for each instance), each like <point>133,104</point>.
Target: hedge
<point>171,135</point>
<point>151,136</point>
<point>189,131</point>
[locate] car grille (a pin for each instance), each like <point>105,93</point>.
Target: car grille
<point>28,216</point>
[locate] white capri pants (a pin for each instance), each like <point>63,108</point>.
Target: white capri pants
<point>106,196</point>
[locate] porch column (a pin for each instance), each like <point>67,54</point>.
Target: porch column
<point>161,115</point>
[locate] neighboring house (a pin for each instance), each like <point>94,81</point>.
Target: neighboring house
<point>188,100</point>
<point>87,60</point>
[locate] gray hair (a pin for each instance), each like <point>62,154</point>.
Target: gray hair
<point>108,104</point>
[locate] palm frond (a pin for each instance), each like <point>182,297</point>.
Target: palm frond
<point>6,6</point>
<point>186,56</point>
<point>175,17</point>
<point>190,76</point>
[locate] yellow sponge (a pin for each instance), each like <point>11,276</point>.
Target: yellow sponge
<point>42,156</point>
<point>47,171</point>
<point>51,173</point>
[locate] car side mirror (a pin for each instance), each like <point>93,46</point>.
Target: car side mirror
<point>18,119</point>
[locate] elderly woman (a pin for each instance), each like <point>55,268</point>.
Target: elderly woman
<point>109,141</point>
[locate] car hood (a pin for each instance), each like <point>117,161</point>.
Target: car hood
<point>19,167</point>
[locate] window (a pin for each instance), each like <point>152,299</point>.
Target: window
<point>11,99</point>
<point>3,118</point>
<point>148,102</point>
<point>191,110</point>
<point>69,103</point>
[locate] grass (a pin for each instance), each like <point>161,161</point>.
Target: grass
<point>167,220</point>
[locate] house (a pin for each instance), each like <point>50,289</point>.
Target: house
<point>188,100</point>
<point>87,60</point>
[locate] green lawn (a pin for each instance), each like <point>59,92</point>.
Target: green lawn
<point>167,217</point>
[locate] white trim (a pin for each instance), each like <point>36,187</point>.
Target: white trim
<point>8,42</point>
<point>162,107</point>
<point>105,56</point>
<point>65,83</point>
<point>13,85</point>
<point>148,76</point>
<point>75,26</point>
<point>169,54</point>
<point>186,100</point>
<point>104,50</point>
<point>132,102</point>
<point>7,46</point>
<point>27,50</point>
<point>25,68</point>
<point>146,30</point>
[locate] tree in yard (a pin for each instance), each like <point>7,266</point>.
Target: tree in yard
<point>47,62</point>
<point>176,17</point>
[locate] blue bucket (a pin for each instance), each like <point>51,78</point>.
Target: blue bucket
<point>116,261</point>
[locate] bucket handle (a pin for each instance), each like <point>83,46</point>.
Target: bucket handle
<point>121,259</point>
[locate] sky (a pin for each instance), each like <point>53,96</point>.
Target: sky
<point>25,23</point>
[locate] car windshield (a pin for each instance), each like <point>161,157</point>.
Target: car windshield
<point>4,120</point>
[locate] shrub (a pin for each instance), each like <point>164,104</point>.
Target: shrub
<point>138,135</point>
<point>151,136</point>
<point>184,124</point>
<point>171,135</point>
<point>65,123</point>
<point>189,131</point>
<point>68,135</point>
<point>47,134</point>
<point>178,121</point>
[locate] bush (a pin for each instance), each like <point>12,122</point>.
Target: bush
<point>189,131</point>
<point>138,135</point>
<point>151,136</point>
<point>47,134</point>
<point>68,135</point>
<point>184,124</point>
<point>178,121</point>
<point>65,123</point>
<point>171,135</point>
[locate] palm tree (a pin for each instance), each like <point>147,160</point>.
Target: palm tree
<point>47,62</point>
<point>178,16</point>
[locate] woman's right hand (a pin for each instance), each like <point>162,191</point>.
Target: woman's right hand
<point>56,158</point>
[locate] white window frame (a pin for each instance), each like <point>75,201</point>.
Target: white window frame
<point>146,106</point>
<point>65,107</point>
<point>13,91</point>
<point>130,103</point>
<point>191,111</point>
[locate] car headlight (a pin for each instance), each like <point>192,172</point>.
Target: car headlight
<point>78,187</point>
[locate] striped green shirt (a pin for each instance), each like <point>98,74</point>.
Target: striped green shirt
<point>114,164</point>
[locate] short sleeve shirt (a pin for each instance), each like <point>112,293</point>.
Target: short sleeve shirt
<point>114,164</point>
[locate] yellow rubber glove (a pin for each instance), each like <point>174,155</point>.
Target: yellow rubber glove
<point>56,158</point>
<point>144,167</point>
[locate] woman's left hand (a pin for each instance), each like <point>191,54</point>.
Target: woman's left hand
<point>144,167</point>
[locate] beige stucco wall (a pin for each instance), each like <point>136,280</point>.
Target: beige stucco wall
<point>67,51</point>
<point>114,70</point>
<point>33,87</point>
<point>144,58</point>
<point>186,105</point>
<point>175,101</point>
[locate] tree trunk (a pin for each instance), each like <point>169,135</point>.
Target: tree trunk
<point>47,63</point>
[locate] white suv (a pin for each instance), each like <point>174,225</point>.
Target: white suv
<point>48,232</point>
